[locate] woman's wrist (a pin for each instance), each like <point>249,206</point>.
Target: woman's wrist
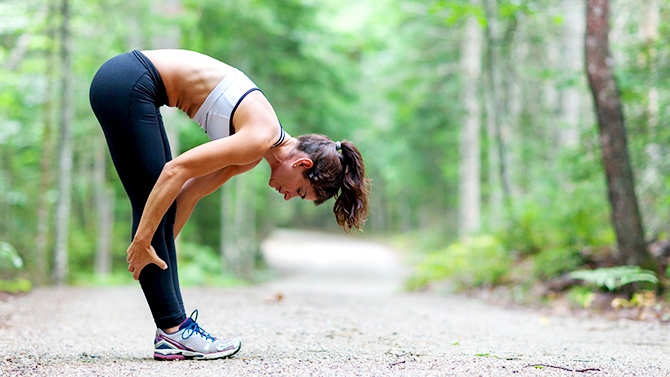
<point>140,241</point>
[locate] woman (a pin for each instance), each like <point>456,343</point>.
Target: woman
<point>126,94</point>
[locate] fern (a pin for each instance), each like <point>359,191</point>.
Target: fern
<point>9,254</point>
<point>615,277</point>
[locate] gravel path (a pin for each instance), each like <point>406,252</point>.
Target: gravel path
<point>338,312</point>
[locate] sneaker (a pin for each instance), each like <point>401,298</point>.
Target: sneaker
<point>192,342</point>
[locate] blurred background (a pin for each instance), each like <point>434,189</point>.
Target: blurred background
<point>475,119</point>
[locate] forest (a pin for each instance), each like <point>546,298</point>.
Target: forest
<point>509,142</point>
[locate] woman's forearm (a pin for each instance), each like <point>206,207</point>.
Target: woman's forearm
<point>197,188</point>
<point>184,209</point>
<point>164,193</point>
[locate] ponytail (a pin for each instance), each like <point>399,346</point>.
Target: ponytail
<point>338,171</point>
<point>351,204</point>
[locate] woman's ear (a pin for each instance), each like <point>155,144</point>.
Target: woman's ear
<point>303,162</point>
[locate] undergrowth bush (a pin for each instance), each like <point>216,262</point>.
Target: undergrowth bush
<point>472,262</point>
<point>200,265</point>
<point>559,220</point>
<point>10,263</point>
<point>552,262</point>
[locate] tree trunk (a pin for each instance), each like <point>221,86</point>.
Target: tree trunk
<point>599,66</point>
<point>470,162</point>
<point>104,205</point>
<point>499,198</point>
<point>652,179</point>
<point>244,226</point>
<point>238,229</point>
<point>65,148</point>
<point>248,228</point>
<point>570,58</point>
<point>229,247</point>
<point>46,158</point>
<point>170,37</point>
<point>240,221</point>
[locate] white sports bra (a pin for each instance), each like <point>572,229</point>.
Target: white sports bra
<point>216,113</point>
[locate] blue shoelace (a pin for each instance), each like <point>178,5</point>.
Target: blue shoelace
<point>193,328</point>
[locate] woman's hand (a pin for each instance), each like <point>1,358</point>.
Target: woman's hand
<point>139,256</point>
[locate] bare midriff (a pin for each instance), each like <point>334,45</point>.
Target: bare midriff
<point>188,76</point>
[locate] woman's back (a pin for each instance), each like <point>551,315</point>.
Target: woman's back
<point>188,76</point>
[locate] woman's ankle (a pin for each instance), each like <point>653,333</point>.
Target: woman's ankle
<point>171,330</point>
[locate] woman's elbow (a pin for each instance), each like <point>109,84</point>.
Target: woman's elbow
<point>173,170</point>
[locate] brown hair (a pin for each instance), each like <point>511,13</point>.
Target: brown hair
<point>340,174</point>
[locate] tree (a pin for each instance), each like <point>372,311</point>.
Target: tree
<point>470,163</point>
<point>104,206</point>
<point>500,181</point>
<point>570,58</point>
<point>47,148</point>
<point>651,179</point>
<point>64,146</point>
<point>624,209</point>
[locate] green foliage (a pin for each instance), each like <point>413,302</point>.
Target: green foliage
<point>9,258</point>
<point>17,285</point>
<point>82,250</point>
<point>472,262</point>
<point>615,277</point>
<point>582,296</point>
<point>11,261</point>
<point>384,74</point>
<point>549,263</point>
<point>556,221</point>
<point>200,265</point>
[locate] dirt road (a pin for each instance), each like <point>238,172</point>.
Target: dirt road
<point>340,314</point>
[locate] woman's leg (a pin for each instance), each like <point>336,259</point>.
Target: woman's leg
<point>123,97</point>
<point>168,230</point>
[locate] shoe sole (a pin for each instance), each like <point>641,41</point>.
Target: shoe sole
<point>189,355</point>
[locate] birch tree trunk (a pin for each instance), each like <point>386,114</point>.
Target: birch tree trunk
<point>229,247</point>
<point>651,179</point>
<point>104,204</point>
<point>64,147</point>
<point>239,243</point>
<point>498,180</point>
<point>46,158</point>
<point>170,37</point>
<point>599,66</point>
<point>237,226</point>
<point>470,144</point>
<point>570,59</point>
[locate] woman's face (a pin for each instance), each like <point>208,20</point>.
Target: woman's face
<point>289,180</point>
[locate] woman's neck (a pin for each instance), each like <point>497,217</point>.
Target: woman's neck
<point>277,155</point>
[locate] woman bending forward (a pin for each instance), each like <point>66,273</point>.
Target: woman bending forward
<point>126,95</point>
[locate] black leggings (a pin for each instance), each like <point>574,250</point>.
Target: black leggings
<point>125,96</point>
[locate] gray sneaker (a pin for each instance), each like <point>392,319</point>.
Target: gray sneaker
<point>192,342</point>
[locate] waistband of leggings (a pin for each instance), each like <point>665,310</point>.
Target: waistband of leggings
<point>162,98</point>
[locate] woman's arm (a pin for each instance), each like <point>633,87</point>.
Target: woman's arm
<point>197,188</point>
<point>245,147</point>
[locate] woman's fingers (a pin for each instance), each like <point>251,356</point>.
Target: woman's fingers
<point>160,263</point>
<point>136,266</point>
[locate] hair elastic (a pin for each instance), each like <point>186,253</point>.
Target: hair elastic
<point>338,146</point>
